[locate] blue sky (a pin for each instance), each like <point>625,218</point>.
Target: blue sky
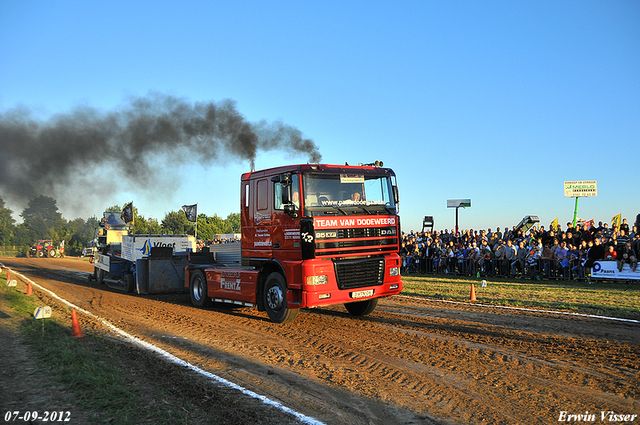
<point>499,102</point>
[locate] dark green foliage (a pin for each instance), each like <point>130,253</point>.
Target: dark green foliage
<point>42,220</point>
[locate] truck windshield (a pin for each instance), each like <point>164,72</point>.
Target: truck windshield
<point>348,194</point>
<point>112,219</point>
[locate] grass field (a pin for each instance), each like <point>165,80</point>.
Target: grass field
<point>605,299</point>
<point>89,368</point>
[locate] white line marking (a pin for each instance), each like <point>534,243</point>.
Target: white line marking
<point>176,360</point>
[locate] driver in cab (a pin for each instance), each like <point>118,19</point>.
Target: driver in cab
<point>295,198</point>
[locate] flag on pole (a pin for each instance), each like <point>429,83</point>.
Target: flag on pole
<point>127,213</point>
<point>616,220</point>
<point>191,211</point>
<point>554,225</point>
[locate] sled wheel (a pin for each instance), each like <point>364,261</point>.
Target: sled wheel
<point>129,282</point>
<point>99,275</point>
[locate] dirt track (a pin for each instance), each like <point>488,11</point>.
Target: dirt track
<point>412,361</point>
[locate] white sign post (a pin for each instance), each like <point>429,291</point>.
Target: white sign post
<point>42,313</point>
<point>580,188</point>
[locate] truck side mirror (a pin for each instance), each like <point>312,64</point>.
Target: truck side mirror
<point>291,209</point>
<point>284,179</point>
<point>286,195</point>
<point>285,184</point>
<point>396,196</point>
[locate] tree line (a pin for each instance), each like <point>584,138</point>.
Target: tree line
<point>42,220</point>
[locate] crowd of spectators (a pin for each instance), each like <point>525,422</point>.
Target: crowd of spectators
<point>216,241</point>
<point>537,253</point>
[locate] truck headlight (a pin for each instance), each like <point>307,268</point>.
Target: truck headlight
<point>394,271</point>
<point>317,280</point>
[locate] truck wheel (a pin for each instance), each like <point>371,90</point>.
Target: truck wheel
<point>52,253</point>
<point>40,253</point>
<point>275,299</point>
<point>361,308</point>
<point>129,282</point>
<point>99,275</point>
<point>198,289</point>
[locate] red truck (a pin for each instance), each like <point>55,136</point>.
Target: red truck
<point>312,235</point>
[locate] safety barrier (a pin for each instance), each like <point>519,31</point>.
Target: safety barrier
<point>12,251</point>
<point>521,269</point>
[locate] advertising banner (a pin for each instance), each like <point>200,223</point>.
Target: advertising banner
<point>355,223</point>
<point>136,247</point>
<point>574,189</point>
<point>455,203</point>
<point>609,270</point>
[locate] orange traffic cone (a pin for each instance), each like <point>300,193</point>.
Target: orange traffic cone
<point>75,325</point>
<point>473,293</point>
<point>29,289</point>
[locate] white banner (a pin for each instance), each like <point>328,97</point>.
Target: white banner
<point>609,270</point>
<point>136,247</point>
<point>576,189</point>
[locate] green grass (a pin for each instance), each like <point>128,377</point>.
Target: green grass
<point>606,299</point>
<point>74,363</point>
<point>84,366</point>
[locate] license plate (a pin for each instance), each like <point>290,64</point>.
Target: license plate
<point>362,294</point>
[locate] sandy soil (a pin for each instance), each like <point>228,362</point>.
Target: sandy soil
<point>412,361</point>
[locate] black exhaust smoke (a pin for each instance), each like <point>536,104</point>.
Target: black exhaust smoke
<point>88,150</point>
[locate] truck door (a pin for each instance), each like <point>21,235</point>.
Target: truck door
<point>256,235</point>
<point>287,210</point>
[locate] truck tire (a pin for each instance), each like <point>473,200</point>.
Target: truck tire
<point>51,253</point>
<point>361,308</point>
<point>275,299</point>
<point>129,283</point>
<point>99,275</point>
<point>40,253</point>
<point>198,289</point>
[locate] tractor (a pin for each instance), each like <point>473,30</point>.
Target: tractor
<point>43,248</point>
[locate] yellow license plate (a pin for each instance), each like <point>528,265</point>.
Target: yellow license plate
<point>362,294</point>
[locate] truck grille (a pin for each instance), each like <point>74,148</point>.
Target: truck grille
<point>359,272</point>
<point>356,241</point>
